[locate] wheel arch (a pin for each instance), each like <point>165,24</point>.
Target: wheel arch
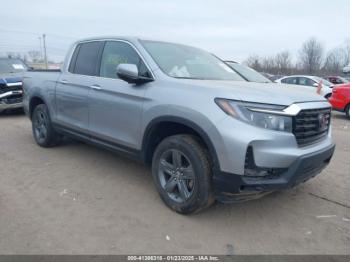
<point>328,95</point>
<point>35,100</point>
<point>164,126</point>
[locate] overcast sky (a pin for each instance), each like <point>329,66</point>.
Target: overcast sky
<point>229,28</point>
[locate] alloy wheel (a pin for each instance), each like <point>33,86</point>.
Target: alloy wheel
<point>40,126</point>
<point>176,175</point>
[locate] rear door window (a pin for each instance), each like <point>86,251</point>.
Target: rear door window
<point>304,81</point>
<point>290,80</point>
<point>87,58</point>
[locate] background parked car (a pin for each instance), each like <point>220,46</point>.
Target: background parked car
<point>267,75</point>
<point>337,80</point>
<point>248,73</point>
<point>346,70</point>
<point>309,81</point>
<point>340,99</point>
<point>273,78</point>
<point>11,73</point>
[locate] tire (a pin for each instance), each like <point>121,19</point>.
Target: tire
<point>182,174</point>
<point>347,111</point>
<point>43,132</point>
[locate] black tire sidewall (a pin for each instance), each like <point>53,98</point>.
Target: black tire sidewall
<point>51,135</point>
<point>347,111</point>
<point>195,153</point>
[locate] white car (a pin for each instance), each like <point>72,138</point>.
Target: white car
<point>308,81</point>
<point>346,70</point>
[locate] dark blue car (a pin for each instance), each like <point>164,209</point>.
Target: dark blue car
<point>11,92</point>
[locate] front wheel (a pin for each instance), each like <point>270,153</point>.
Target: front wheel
<point>182,174</point>
<point>43,132</point>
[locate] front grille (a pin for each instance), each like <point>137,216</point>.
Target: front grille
<point>4,88</point>
<point>14,99</point>
<point>311,125</point>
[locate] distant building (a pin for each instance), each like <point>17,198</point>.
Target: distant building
<point>42,65</point>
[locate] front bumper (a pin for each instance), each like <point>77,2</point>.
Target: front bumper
<point>11,100</point>
<point>4,106</point>
<point>235,188</point>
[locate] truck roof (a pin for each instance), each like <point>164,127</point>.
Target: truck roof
<point>127,38</point>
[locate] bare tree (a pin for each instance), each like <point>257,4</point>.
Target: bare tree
<point>14,55</point>
<point>310,56</point>
<point>335,60</point>
<point>254,61</point>
<point>283,62</point>
<point>34,55</point>
<point>278,64</point>
<point>268,64</point>
<point>310,60</point>
<point>347,52</point>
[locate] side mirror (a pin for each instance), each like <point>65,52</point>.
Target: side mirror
<point>315,84</point>
<point>130,74</point>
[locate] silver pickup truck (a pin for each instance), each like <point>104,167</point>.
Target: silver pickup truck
<point>207,133</point>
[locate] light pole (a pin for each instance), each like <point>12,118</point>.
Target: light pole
<point>41,48</point>
<point>45,55</point>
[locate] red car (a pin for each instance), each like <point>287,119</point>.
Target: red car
<point>340,98</point>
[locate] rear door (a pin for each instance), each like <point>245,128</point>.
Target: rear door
<point>115,105</point>
<point>73,87</point>
<point>305,81</point>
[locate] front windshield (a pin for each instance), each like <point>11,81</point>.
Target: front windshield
<point>324,81</point>
<point>9,65</point>
<point>182,61</point>
<point>248,73</point>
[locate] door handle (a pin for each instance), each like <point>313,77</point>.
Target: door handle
<point>64,81</point>
<point>95,87</point>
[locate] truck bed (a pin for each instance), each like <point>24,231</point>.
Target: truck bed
<point>44,70</point>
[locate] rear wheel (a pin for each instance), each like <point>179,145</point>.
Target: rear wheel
<point>43,132</point>
<point>182,174</point>
<point>347,111</point>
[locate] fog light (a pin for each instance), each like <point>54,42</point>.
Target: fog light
<point>252,170</point>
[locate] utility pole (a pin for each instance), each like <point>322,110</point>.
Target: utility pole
<point>41,48</point>
<point>45,55</point>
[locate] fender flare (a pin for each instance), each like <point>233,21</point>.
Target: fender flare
<point>32,97</point>
<point>183,121</point>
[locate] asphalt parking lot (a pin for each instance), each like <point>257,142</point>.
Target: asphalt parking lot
<point>77,199</point>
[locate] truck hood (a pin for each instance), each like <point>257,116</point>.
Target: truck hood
<point>267,93</point>
<point>9,78</point>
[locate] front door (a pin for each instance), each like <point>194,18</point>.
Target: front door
<point>116,106</point>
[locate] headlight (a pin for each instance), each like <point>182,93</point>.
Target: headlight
<point>260,115</point>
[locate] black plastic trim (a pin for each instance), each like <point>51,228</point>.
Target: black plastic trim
<point>232,187</point>
<point>30,109</point>
<point>102,143</point>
